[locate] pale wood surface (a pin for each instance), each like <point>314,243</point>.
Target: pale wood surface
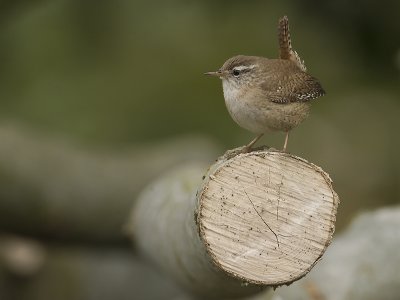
<point>164,230</point>
<point>267,217</point>
<point>362,263</point>
<point>256,220</point>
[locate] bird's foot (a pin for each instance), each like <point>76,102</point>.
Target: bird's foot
<point>246,149</point>
<point>233,152</point>
<point>286,142</point>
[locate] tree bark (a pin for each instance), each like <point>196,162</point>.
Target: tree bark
<point>256,220</point>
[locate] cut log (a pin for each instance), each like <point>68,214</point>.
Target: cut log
<point>259,219</point>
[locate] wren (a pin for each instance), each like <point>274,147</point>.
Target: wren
<point>264,95</point>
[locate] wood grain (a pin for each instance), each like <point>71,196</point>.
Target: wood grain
<point>267,217</point>
<point>255,220</point>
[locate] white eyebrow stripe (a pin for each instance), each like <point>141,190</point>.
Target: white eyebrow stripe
<point>241,68</point>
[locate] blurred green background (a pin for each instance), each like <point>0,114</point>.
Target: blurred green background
<point>112,74</point>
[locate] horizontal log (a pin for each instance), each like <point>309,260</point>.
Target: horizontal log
<point>51,188</point>
<point>255,220</point>
<point>362,261</point>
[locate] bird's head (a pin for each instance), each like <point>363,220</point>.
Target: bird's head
<point>239,70</point>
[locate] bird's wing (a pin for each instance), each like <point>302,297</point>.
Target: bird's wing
<point>285,44</point>
<point>296,87</point>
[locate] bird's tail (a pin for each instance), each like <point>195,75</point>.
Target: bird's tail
<point>285,44</point>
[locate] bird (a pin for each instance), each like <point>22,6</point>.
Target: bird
<point>264,95</point>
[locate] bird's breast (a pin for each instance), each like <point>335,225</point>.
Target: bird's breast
<point>253,111</point>
<point>243,110</point>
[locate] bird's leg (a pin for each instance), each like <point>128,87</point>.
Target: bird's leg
<point>286,141</point>
<point>247,148</point>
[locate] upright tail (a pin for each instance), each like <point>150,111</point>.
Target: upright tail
<point>285,44</point>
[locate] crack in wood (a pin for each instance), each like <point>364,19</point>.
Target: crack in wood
<point>279,198</point>
<point>269,227</point>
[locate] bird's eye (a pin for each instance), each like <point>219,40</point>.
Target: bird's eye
<point>236,72</point>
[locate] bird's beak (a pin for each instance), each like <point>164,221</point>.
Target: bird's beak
<point>218,73</point>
